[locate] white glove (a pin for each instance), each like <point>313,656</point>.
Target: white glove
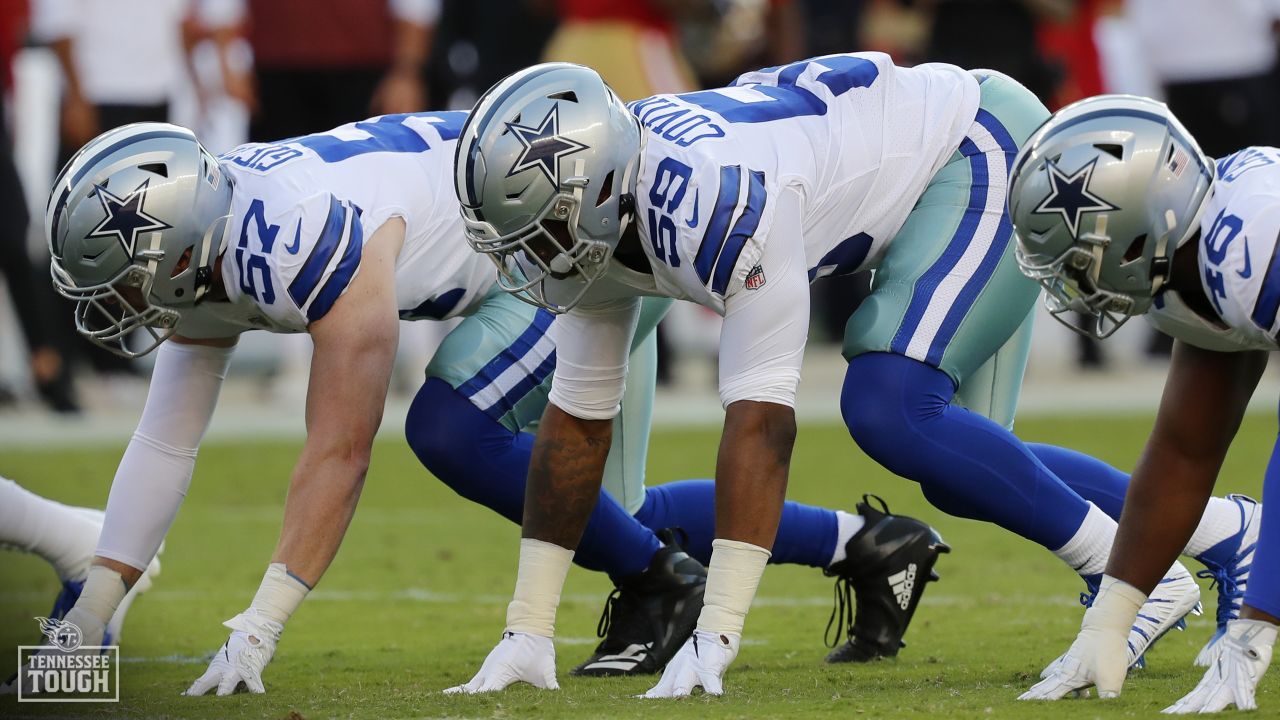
<point>701,662</point>
<point>518,657</point>
<point>241,659</point>
<point>1244,653</point>
<point>1100,654</point>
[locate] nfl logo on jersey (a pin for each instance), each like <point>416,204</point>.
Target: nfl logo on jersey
<point>755,278</point>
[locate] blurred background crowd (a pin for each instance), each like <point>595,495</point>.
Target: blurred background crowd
<point>238,70</point>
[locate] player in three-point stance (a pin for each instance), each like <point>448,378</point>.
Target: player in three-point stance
<point>736,198</point>
<point>1118,214</point>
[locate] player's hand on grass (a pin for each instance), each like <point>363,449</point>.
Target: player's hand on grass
<point>1243,656</point>
<point>701,662</point>
<point>238,664</point>
<point>518,657</point>
<point>1099,656</point>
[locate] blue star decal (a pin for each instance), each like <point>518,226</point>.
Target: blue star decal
<point>543,146</point>
<point>125,217</point>
<point>1070,197</point>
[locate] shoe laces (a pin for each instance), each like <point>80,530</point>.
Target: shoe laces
<point>606,617</point>
<point>841,619</point>
<point>1229,578</point>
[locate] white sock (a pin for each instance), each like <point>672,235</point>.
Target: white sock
<point>1087,551</point>
<point>847,525</point>
<point>62,535</point>
<point>1220,521</point>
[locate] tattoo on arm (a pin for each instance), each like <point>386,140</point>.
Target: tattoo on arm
<point>565,473</point>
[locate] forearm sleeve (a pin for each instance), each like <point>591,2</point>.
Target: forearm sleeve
<point>592,344</point>
<point>155,471</point>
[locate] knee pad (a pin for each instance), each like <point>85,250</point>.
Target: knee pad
<point>438,430</point>
<point>886,400</point>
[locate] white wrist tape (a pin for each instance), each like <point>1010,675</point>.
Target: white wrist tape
<point>732,579</point>
<point>103,590</point>
<point>279,595</point>
<point>1116,606</point>
<point>543,568</point>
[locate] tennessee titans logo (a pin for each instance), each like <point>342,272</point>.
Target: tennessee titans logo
<point>61,634</point>
<point>1069,196</point>
<point>543,146</point>
<point>125,217</point>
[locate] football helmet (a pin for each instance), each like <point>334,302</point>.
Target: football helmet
<point>135,222</point>
<point>545,169</point>
<point>1100,197</point>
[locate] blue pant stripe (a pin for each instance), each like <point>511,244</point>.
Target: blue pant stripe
<point>931,278</point>
<point>1004,232</point>
<point>522,388</point>
<point>509,355</point>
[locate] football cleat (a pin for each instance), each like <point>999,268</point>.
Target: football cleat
<point>1174,598</point>
<point>1227,566</point>
<point>886,567</point>
<point>649,616</point>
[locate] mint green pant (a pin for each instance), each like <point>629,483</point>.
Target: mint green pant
<point>501,357</point>
<point>948,291</point>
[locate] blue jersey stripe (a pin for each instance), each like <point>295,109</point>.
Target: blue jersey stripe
<point>522,388</point>
<point>1267,305</point>
<point>509,355</point>
<point>932,277</point>
<point>743,230</point>
<point>341,276</point>
<point>321,254</point>
<point>1000,243</point>
<point>718,225</point>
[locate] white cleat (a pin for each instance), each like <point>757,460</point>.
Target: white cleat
<point>1175,597</point>
<point>1230,572</point>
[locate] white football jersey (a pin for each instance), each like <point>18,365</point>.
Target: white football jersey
<point>303,207</point>
<point>1239,262</point>
<point>856,136</point>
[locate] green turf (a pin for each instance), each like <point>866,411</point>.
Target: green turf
<point>417,597</point>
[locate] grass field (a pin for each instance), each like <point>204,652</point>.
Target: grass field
<point>417,597</point>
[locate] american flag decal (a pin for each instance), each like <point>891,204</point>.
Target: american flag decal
<point>1178,161</point>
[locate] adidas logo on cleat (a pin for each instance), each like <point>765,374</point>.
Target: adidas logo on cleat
<point>624,661</point>
<point>902,583</point>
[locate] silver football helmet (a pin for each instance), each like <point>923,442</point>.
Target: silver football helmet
<point>545,169</point>
<point>1100,196</point>
<point>135,222</point>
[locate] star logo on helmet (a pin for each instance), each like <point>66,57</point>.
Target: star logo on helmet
<point>125,217</point>
<point>543,146</point>
<point>1069,196</point>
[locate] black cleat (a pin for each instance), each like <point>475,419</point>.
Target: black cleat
<point>649,616</point>
<point>886,566</point>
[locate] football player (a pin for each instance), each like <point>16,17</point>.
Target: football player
<point>817,168</point>
<point>1119,213</point>
<point>65,537</point>
<point>341,235</point>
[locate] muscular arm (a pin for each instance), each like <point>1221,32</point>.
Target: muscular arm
<point>355,345</point>
<point>751,470</point>
<point>564,476</point>
<point>1204,401</point>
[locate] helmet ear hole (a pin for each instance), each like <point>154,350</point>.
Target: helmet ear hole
<point>1113,149</point>
<point>606,190</point>
<point>183,263</point>
<point>1135,249</point>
